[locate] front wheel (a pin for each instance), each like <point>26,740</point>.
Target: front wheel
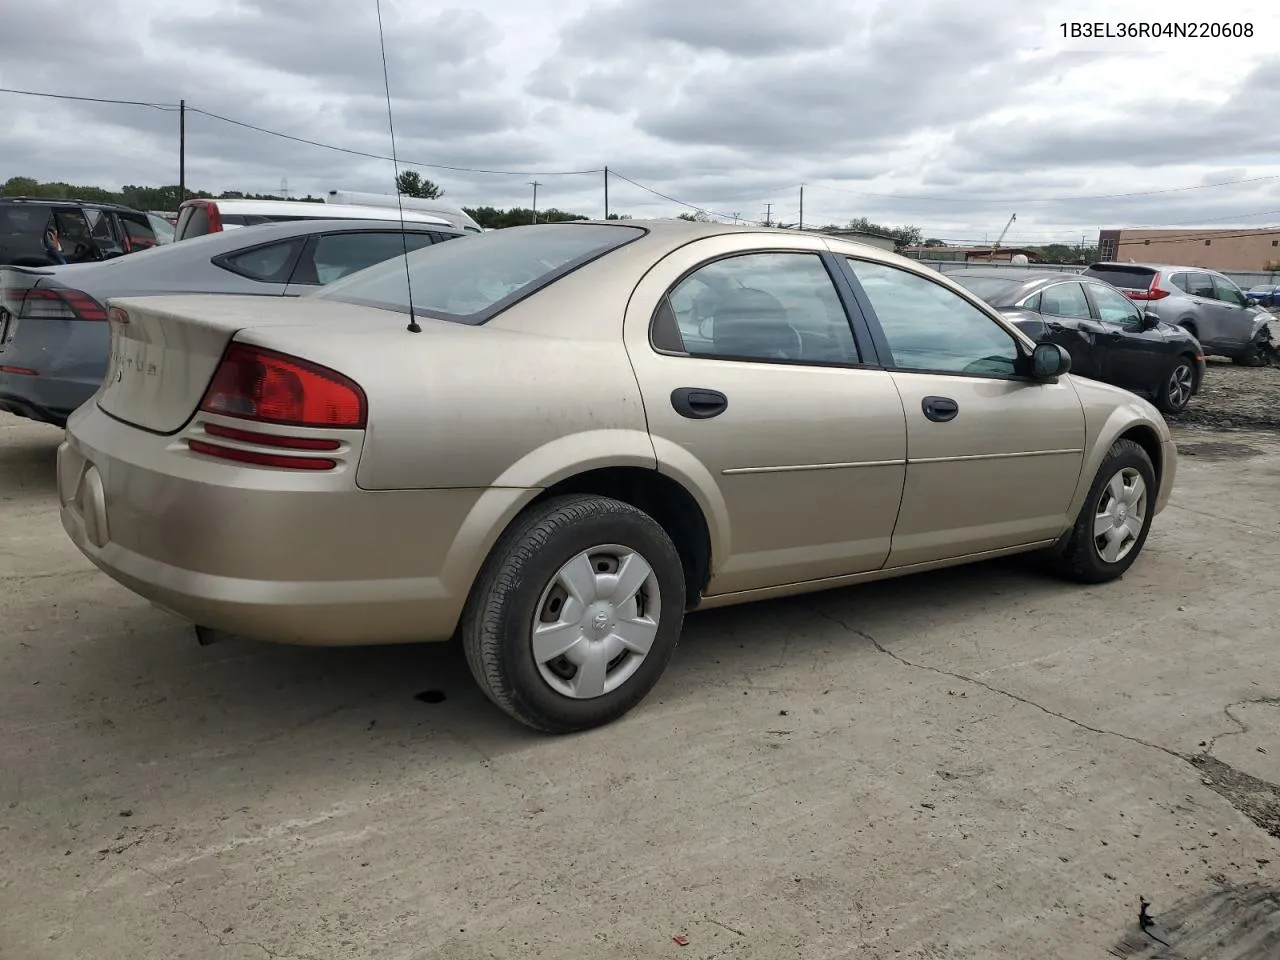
<point>1177,387</point>
<point>1114,522</point>
<point>576,613</point>
<point>1253,355</point>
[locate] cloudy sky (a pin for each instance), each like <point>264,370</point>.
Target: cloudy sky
<point>947,115</point>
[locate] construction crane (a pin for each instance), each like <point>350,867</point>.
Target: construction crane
<point>991,254</point>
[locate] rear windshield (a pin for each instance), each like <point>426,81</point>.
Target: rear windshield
<point>193,221</point>
<point>474,277</point>
<point>1120,275</point>
<point>988,288</point>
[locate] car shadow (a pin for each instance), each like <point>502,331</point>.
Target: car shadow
<point>29,460</point>
<point>273,706</point>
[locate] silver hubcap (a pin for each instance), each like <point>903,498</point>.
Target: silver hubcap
<point>1180,386</point>
<point>596,622</point>
<point>1122,512</point>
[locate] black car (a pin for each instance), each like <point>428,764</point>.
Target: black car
<point>37,232</point>
<point>1106,335</point>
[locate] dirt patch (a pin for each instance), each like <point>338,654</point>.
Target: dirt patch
<point>1256,799</point>
<point>1218,450</point>
<point>1234,922</point>
<point>1233,396</point>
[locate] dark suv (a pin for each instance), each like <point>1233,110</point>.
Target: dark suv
<point>36,232</point>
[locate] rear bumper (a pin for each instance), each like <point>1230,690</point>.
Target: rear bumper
<point>45,399</point>
<point>273,555</point>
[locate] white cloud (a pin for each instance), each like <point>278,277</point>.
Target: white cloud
<point>947,116</point>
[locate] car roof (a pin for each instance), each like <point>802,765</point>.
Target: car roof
<point>70,202</point>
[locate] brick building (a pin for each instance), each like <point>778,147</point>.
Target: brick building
<point>1230,248</point>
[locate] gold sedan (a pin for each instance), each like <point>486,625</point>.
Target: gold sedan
<point>554,441</point>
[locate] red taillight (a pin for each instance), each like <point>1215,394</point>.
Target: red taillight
<point>280,461</point>
<point>57,303</point>
<point>21,371</point>
<point>270,439</point>
<point>1153,292</point>
<point>256,384</point>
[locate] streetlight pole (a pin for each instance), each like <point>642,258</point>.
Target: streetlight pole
<point>535,184</point>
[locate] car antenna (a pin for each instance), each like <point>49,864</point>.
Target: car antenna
<point>395,165</point>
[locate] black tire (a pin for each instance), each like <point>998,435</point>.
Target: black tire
<point>1252,357</point>
<point>1076,557</point>
<point>501,609</point>
<point>1170,400</point>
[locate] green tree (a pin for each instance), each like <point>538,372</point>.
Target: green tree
<point>492,218</point>
<point>411,183</point>
<point>695,217</point>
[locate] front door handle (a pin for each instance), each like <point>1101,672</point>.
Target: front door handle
<point>698,403</point>
<point>940,409</point>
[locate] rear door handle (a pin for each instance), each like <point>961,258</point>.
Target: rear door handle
<point>940,409</point>
<point>698,403</point>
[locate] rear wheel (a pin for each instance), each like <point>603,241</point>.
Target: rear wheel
<point>1177,387</point>
<point>1113,524</point>
<point>576,613</point>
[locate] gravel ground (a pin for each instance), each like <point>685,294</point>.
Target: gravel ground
<point>1234,396</point>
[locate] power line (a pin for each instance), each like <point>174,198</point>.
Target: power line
<point>67,96</point>
<point>313,143</point>
<point>378,156</point>
<point>683,203</point>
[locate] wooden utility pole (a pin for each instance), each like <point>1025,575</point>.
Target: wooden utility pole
<point>182,150</point>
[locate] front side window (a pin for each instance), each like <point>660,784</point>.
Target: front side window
<point>760,306</point>
<point>1115,308</point>
<point>931,328</point>
<point>1065,300</point>
<point>472,278</point>
<point>1228,292</point>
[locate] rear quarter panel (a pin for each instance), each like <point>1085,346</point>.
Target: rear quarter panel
<point>460,406</point>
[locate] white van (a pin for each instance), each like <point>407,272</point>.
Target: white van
<point>455,215</point>
<point>200,216</point>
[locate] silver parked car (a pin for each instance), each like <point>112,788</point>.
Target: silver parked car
<point>1226,320</point>
<point>54,340</point>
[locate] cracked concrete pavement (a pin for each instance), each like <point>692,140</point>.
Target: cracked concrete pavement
<point>970,764</point>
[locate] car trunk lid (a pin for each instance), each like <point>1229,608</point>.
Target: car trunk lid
<point>164,350</point>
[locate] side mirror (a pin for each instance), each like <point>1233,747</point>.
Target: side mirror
<point>1049,360</point>
<point>1150,320</point>
<point>1250,301</point>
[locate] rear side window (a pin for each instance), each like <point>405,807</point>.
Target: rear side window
<point>272,263</point>
<point>1065,300</point>
<point>138,230</point>
<point>1200,285</point>
<point>1179,280</point>
<point>193,222</point>
<point>337,255</point>
<point>1125,277</point>
<point>759,306</point>
<point>1031,303</point>
<point>472,278</point>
